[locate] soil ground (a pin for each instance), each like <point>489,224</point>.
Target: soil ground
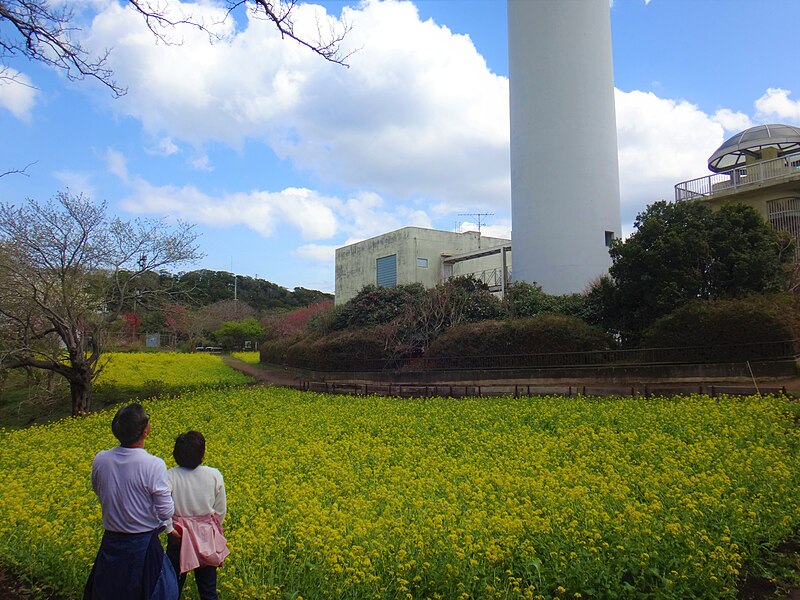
<point>751,588</point>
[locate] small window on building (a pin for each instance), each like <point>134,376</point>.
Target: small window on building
<point>422,262</point>
<point>609,238</point>
<point>386,268</point>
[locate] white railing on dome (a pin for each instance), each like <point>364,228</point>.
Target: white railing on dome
<point>739,177</point>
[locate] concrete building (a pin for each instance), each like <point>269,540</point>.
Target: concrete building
<point>417,255</point>
<point>759,167</point>
<point>564,170</point>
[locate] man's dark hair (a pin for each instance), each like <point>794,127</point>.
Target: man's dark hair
<point>129,424</point>
<point>190,447</point>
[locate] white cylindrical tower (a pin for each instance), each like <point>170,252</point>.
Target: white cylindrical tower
<point>564,168</point>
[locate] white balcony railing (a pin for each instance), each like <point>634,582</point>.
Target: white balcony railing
<point>734,179</point>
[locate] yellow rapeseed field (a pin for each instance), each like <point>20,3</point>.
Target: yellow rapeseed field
<point>248,357</point>
<point>368,497</point>
<point>133,369</point>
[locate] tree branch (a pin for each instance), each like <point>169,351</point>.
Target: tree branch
<point>328,45</point>
<point>35,30</point>
<point>22,171</point>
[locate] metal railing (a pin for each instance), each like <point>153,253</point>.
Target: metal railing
<point>739,177</point>
<point>491,277</point>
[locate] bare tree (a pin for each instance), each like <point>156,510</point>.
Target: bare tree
<point>211,317</point>
<point>66,269</point>
<point>46,33</point>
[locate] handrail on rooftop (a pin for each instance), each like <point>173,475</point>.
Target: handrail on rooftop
<point>739,177</point>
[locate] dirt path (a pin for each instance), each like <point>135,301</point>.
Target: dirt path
<point>264,375</point>
<point>283,377</point>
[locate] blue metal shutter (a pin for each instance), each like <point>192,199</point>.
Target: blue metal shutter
<point>386,268</point>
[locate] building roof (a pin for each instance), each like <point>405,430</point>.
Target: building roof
<point>735,150</point>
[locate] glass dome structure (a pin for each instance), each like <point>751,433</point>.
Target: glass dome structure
<point>749,143</point>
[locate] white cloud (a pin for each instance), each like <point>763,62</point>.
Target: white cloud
<point>496,230</point>
<point>77,182</point>
<point>166,147</point>
<point>417,114</point>
<point>309,212</point>
<point>318,252</point>
<point>732,121</point>
<point>17,93</point>
<point>202,163</point>
<point>418,123</point>
<point>316,216</point>
<point>367,214</point>
<point>775,105</point>
<point>117,164</point>
<point>661,142</point>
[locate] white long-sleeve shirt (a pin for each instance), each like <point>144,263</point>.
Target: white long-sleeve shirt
<point>198,492</point>
<point>133,489</point>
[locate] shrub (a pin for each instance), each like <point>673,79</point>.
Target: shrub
<point>377,305</point>
<point>276,350</point>
<point>541,334</point>
<point>528,300</point>
<point>722,322</point>
<point>340,351</point>
<point>323,322</point>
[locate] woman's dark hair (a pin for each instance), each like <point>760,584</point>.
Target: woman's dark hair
<point>190,447</point>
<point>129,424</point>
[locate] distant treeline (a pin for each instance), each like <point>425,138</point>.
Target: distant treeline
<point>204,287</point>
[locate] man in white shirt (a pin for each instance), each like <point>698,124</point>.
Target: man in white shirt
<point>136,502</point>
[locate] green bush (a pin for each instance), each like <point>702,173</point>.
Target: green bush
<point>721,322</point>
<point>541,334</point>
<point>233,334</point>
<point>377,305</point>
<point>528,300</point>
<point>342,350</point>
<point>275,351</point>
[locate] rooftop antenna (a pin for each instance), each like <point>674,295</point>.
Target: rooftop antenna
<point>477,217</point>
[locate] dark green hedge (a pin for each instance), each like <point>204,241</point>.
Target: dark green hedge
<point>343,350</point>
<point>540,334</point>
<point>721,322</point>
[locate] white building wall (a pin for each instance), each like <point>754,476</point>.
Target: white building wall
<point>356,266</point>
<point>564,170</point>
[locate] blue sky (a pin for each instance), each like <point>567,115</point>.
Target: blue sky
<point>280,157</point>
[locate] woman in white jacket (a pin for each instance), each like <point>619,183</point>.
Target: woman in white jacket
<point>195,541</point>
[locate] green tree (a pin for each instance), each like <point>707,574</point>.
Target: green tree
<point>233,334</point>
<point>67,271</point>
<point>685,251</point>
<point>748,256</point>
